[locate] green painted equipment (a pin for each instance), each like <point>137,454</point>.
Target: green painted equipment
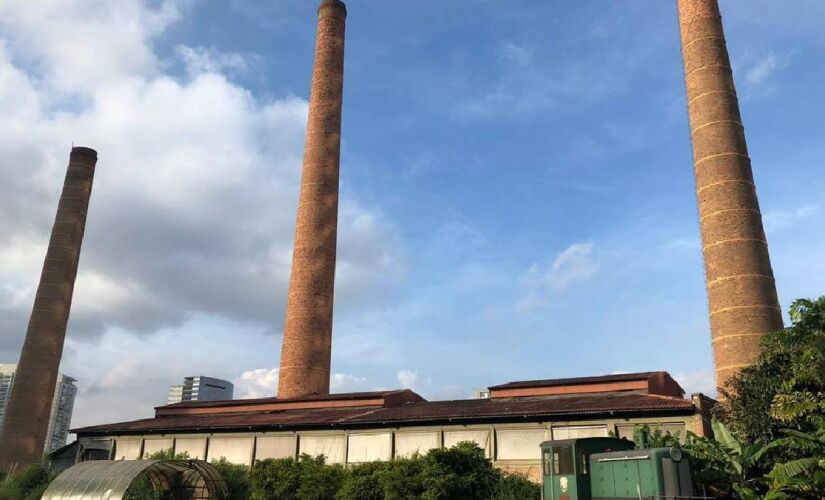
<point>611,469</point>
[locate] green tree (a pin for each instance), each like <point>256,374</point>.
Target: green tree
<point>802,477</point>
<point>308,478</point>
<point>725,465</point>
<point>405,478</point>
<point>785,387</point>
<point>236,478</point>
<point>28,484</point>
<point>516,487</point>
<point>364,482</point>
<point>459,473</point>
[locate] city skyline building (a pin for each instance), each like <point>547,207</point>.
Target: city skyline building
<point>200,388</point>
<point>60,417</point>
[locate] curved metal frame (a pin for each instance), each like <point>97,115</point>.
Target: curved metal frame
<point>110,480</point>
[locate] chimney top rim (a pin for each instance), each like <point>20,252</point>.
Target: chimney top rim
<point>82,150</point>
<point>333,3</point>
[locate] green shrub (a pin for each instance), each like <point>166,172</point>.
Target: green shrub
<point>275,479</point>
<point>236,478</point>
<point>364,482</point>
<point>459,473</point>
<point>517,487</point>
<point>28,485</point>
<point>319,481</point>
<point>404,479</point>
<point>307,478</point>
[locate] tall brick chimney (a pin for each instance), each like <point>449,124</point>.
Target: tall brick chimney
<point>307,344</point>
<point>23,436</point>
<point>741,289</point>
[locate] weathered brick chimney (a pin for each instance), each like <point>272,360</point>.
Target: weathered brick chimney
<point>23,436</point>
<point>740,283</point>
<point>307,343</point>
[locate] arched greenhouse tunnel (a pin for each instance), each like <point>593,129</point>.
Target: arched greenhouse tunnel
<point>139,480</point>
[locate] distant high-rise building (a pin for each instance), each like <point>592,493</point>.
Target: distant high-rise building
<point>60,417</point>
<point>200,388</point>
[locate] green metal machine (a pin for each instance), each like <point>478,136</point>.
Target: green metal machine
<point>611,469</point>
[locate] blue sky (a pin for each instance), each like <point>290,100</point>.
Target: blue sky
<point>517,187</point>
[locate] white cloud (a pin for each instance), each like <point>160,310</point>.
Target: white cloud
<point>703,381</point>
<point>263,383</point>
<point>193,209</point>
<point>762,69</point>
<point>412,380</point>
<point>259,383</point>
<point>210,60</point>
<point>344,382</point>
<point>518,54</point>
<point>572,266</point>
<point>575,264</point>
<point>780,220</point>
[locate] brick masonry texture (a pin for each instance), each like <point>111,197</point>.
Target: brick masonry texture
<point>307,344</point>
<point>27,420</point>
<point>741,290</point>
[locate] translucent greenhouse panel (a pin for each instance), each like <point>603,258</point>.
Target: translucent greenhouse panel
<point>369,447</point>
<point>333,447</point>
<point>275,447</point>
<point>520,444</point>
<point>237,450</point>
<point>408,443</point>
<point>481,437</point>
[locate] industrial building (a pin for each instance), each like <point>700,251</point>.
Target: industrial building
<point>200,388</point>
<point>362,427</point>
<point>62,406</point>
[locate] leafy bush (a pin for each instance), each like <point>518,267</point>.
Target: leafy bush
<point>785,387</point>
<point>236,478</point>
<point>516,487</point>
<point>404,479</point>
<point>28,485</point>
<point>459,473</point>
<point>364,482</point>
<point>307,478</point>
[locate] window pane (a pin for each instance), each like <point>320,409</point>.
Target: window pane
<point>548,461</point>
<point>563,460</point>
<point>582,461</point>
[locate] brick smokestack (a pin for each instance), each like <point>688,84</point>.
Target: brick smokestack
<point>741,289</point>
<point>307,344</point>
<point>23,436</point>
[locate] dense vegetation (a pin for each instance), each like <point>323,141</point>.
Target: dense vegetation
<point>28,485</point>
<point>769,439</point>
<point>461,472</point>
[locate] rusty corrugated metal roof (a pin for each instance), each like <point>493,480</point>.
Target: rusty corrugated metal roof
<point>556,382</point>
<point>417,413</point>
<point>348,396</point>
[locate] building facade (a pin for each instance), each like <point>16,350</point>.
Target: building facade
<point>364,427</point>
<point>60,417</point>
<point>200,388</point>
